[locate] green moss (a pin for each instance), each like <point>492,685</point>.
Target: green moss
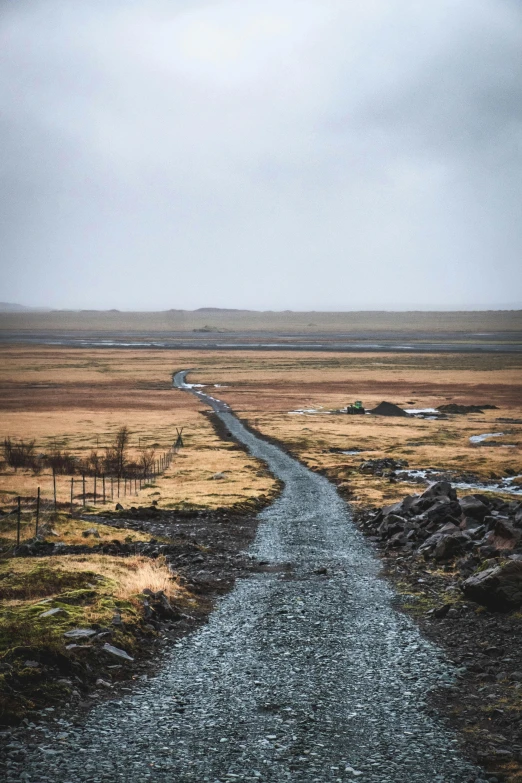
<point>39,582</point>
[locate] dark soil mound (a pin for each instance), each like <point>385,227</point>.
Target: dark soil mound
<point>388,409</point>
<point>452,407</point>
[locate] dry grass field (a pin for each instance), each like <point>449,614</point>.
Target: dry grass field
<point>78,399</point>
<point>267,389</point>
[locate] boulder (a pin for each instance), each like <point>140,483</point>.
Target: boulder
<point>498,588</point>
<point>505,530</point>
<point>79,633</point>
<point>473,507</point>
<point>439,489</point>
<point>109,648</point>
<point>443,509</point>
<point>444,545</point>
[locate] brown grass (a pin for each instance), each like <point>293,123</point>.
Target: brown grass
<point>78,400</point>
<point>78,397</point>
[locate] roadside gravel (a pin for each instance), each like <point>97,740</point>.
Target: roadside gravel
<point>305,673</point>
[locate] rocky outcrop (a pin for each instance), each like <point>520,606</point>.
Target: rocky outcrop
<point>499,588</point>
<point>458,533</point>
<point>382,467</point>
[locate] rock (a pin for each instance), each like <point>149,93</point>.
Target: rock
<point>382,467</point>
<point>117,652</point>
<point>444,509</point>
<point>104,683</point>
<point>218,476</point>
<point>92,531</point>
<point>443,546</point>
<point>450,545</point>
<point>498,588</point>
<point>439,489</point>
<point>505,530</point>
<point>473,507</point>
<point>79,633</point>
<point>160,605</point>
<point>52,612</point>
<point>442,611</point>
<point>31,664</point>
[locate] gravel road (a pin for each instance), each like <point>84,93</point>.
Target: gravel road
<point>306,673</point>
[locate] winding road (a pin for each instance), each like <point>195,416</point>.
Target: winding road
<point>304,674</point>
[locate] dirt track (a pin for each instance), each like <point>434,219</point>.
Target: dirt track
<point>307,673</point>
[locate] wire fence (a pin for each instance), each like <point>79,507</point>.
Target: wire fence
<point>32,516</point>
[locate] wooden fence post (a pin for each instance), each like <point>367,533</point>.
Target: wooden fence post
<point>94,488</point>
<point>72,494</point>
<point>37,511</point>
<point>83,478</point>
<point>18,515</point>
<point>54,487</point>
<point>103,484</point>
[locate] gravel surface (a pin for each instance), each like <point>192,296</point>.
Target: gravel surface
<point>305,673</point>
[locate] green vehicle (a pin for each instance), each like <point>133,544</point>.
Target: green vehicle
<point>355,408</point>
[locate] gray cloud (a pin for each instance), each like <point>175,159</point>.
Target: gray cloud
<point>291,154</point>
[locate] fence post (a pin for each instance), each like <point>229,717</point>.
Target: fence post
<point>118,486</point>
<point>83,479</point>
<point>72,494</point>
<point>103,485</point>
<point>18,521</point>
<point>94,489</point>
<point>54,487</point>
<point>37,511</point>
<point>112,488</point>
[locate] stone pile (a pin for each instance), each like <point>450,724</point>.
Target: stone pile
<point>480,535</point>
<point>382,467</point>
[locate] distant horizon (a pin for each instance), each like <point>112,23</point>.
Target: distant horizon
<point>14,308</point>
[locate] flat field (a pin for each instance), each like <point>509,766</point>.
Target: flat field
<point>469,325</point>
<point>78,398</point>
<point>291,397</point>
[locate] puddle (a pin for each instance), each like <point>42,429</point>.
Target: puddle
<point>305,411</point>
<point>414,411</point>
<point>485,436</point>
<point>427,476</point>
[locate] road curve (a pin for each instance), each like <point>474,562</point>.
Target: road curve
<point>299,675</point>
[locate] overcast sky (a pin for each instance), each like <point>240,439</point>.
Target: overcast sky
<point>266,154</point>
